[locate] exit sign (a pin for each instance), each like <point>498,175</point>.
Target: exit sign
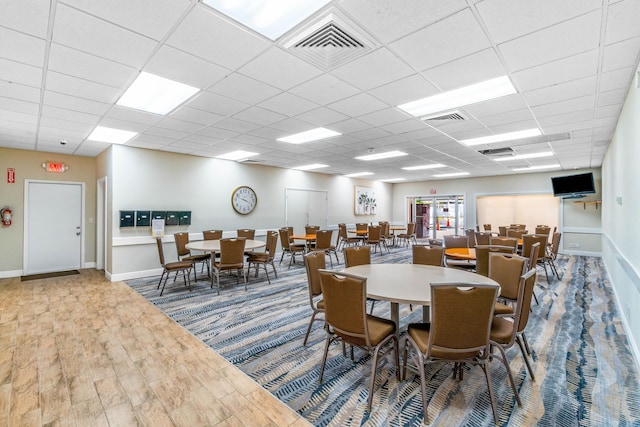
<point>55,167</point>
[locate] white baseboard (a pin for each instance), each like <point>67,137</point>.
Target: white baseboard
<point>581,253</point>
<point>10,273</point>
<point>134,275</point>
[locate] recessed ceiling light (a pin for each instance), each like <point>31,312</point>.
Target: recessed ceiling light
<point>448,175</point>
<point>237,155</point>
<point>393,179</point>
<point>525,156</point>
<point>155,94</point>
<point>510,136</point>
<point>417,168</point>
<point>531,168</point>
<point>353,175</point>
<point>310,135</point>
<point>311,167</point>
<point>472,94</point>
<point>271,18</point>
<point>111,135</point>
<point>379,156</point>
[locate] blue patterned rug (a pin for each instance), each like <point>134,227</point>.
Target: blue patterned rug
<point>585,372</point>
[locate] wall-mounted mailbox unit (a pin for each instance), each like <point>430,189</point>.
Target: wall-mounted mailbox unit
<point>143,218</point>
<point>185,218</point>
<point>173,218</point>
<point>158,214</point>
<point>127,218</point>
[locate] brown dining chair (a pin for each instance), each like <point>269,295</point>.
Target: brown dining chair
<point>357,255</point>
<point>265,258</point>
<point>288,247</point>
<point>344,239</point>
<point>482,256</point>
<point>410,236</point>
<point>457,336</point>
<point>212,234</point>
<point>182,239</point>
<point>313,262</point>
<point>374,238</point>
<point>506,270</point>
<point>231,258</point>
<point>176,267</point>
<point>486,227</point>
<point>323,244</point>
<point>504,241</point>
<point>483,238</point>
<point>346,317</point>
<point>530,239</point>
<point>552,255</point>
<point>427,255</point>
<point>247,233</point>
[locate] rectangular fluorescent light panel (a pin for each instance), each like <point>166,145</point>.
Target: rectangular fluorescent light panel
<point>379,156</point>
<point>531,168</point>
<point>393,180</point>
<point>510,136</point>
<point>449,175</point>
<point>155,94</point>
<point>271,18</point>
<point>417,168</point>
<point>310,135</point>
<point>354,175</point>
<point>311,167</point>
<point>525,156</point>
<point>483,91</point>
<point>237,155</point>
<point>111,135</point>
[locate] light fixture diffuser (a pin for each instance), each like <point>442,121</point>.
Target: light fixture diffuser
<point>422,167</point>
<point>509,136</point>
<point>450,175</point>
<point>472,94</point>
<point>311,167</point>
<point>237,155</point>
<point>111,135</point>
<point>531,168</point>
<point>525,156</point>
<point>155,94</point>
<point>310,135</point>
<point>378,156</point>
<point>356,174</point>
<point>393,180</point>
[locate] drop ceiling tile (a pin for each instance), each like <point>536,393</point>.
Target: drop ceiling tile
<point>509,19</point>
<point>357,105</point>
<point>248,139</point>
<point>405,126</point>
<point>451,38</point>
<point>611,97</point>
<point>562,70</point>
<point>321,116</point>
<point>618,79</point>
<point>81,88</point>
<point>66,125</point>
<point>74,103</point>
<point>89,67</point>
<point>383,117</point>
<point>563,91</point>
<point>122,124</point>
<point>76,116</point>
<point>217,104</point>
<point>242,88</point>
<point>15,72</point>
<point>236,126</point>
<point>259,116</point>
<point>279,69</point>
<point>496,106</point>
<point>19,106</point>
<point>608,111</point>
<point>19,92</point>
<point>388,67</point>
<point>91,148</point>
<point>216,133</point>
<point>556,42</point>
<point>92,35</point>
<point>622,54</point>
<point>350,125</point>
<point>21,47</point>
<point>182,67</point>
<point>18,117</point>
<point>152,18</point>
<point>324,89</point>
<point>287,127</point>
<point>134,116</point>
<point>202,30</point>
<point>566,118</point>
<point>27,16</point>
<point>510,117</point>
<point>400,21</point>
<point>404,90</point>
<point>570,105</point>
<point>194,115</point>
<point>58,133</point>
<point>622,21</point>
<point>452,75</point>
<point>288,104</point>
<point>181,127</point>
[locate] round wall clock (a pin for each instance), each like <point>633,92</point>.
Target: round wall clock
<point>244,200</point>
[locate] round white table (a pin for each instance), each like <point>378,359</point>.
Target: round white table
<point>410,283</point>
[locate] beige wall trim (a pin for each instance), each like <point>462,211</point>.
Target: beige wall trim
<point>582,230</point>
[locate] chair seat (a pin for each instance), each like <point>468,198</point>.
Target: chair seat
<point>420,334</point>
<point>177,265</point>
<point>196,258</point>
<point>501,330</point>
<point>258,257</point>
<point>320,305</point>
<point>218,265</point>
<point>502,309</point>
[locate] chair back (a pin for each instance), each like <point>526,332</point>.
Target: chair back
<point>524,299</point>
<point>323,239</point>
<point>232,251</point>
<point>471,237</point>
<point>543,229</point>
<point>435,242</point>
<point>314,261</point>
<point>533,255</point>
<point>284,238</point>
<point>518,226</point>
<point>504,241</point>
<point>311,229</point>
<point>486,227</point>
<point>517,233</point>
<point>427,255</point>
<point>361,226</point>
<point>271,243</point>
<point>160,250</point>
<point>451,241</point>
<point>247,233</point>
<point>502,230</point>
<point>345,299</point>
<point>506,270</point>
<point>384,229</point>
<point>373,234</point>
<point>555,244</point>
<point>181,240</point>
<point>357,255</point>
<point>483,238</point>
<point>411,228</point>
<point>460,332</point>
<point>342,231</point>
<point>482,256</point>
<point>529,239</point>
<point>212,234</point>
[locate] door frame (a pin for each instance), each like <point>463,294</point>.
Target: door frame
<point>25,242</point>
<point>101,223</point>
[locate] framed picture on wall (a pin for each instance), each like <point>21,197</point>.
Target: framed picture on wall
<point>365,200</point>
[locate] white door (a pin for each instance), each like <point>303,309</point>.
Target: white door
<point>53,226</point>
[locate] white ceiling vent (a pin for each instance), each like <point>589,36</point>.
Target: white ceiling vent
<point>329,41</point>
<point>449,115</point>
<point>498,152</point>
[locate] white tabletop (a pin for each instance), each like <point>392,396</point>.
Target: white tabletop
<point>214,245</point>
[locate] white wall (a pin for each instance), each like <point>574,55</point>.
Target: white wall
<point>620,213</point>
<point>147,180</point>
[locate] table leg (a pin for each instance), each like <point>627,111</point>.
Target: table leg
<point>395,317</point>
<point>426,314</point>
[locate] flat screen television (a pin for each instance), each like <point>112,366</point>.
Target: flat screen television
<point>573,186</point>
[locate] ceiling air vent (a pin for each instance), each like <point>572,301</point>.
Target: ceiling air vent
<point>329,41</point>
<point>449,115</point>
<point>498,152</point>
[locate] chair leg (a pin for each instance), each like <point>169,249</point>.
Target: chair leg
<point>504,360</point>
<point>324,357</point>
<point>161,277</point>
<point>306,336</point>
<point>526,343</point>
<point>487,374</point>
<point>524,356</point>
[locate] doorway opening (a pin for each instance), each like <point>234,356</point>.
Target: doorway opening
<point>436,216</point>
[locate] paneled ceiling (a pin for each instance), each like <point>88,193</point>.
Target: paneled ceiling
<point>65,63</point>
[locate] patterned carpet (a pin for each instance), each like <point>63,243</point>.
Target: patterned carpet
<point>585,373</point>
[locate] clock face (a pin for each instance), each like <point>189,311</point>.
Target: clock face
<point>244,200</point>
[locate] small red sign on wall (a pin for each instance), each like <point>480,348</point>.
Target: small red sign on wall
<point>11,175</point>
<point>432,191</point>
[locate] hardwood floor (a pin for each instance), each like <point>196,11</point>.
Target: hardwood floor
<point>79,350</point>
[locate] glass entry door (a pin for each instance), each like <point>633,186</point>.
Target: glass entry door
<point>436,216</point>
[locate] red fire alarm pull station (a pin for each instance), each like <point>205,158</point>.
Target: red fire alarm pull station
<point>11,175</point>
